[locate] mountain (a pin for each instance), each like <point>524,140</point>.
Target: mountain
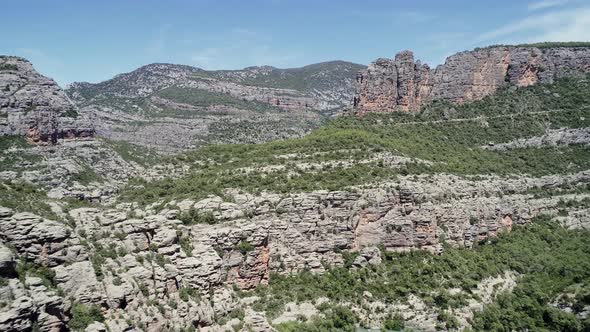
<point>195,107</point>
<point>471,215</point>
<point>401,84</point>
<point>35,106</point>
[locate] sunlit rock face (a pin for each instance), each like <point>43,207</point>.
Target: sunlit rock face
<point>403,84</point>
<point>34,106</point>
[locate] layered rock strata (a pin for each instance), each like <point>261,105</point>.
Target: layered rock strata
<point>403,84</point>
<point>34,106</point>
<point>122,258</point>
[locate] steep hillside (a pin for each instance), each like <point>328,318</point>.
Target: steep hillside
<point>34,106</point>
<point>174,107</point>
<point>401,84</point>
<point>459,216</point>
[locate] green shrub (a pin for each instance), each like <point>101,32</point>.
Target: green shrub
<point>244,247</point>
<point>83,315</point>
<point>25,268</point>
<point>394,323</point>
<point>186,245</point>
<point>193,216</point>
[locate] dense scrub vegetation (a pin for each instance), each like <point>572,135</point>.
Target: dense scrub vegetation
<point>204,98</point>
<point>22,196</point>
<point>83,315</point>
<point>557,44</point>
<point>14,153</point>
<point>449,138</point>
<point>8,66</point>
<point>548,258</point>
<point>335,318</point>
<point>319,76</point>
<point>133,153</point>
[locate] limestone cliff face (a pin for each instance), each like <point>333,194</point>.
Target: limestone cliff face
<point>158,255</point>
<point>34,106</point>
<point>403,84</point>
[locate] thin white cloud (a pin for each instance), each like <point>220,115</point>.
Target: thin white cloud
<point>544,4</point>
<point>564,25</point>
<point>240,48</point>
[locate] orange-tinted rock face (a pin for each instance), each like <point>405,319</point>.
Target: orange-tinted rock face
<point>404,85</point>
<point>253,271</point>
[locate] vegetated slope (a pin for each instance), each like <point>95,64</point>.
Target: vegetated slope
<point>470,216</point>
<point>549,260</point>
<point>322,79</point>
<point>175,107</point>
<point>441,138</point>
<point>551,286</point>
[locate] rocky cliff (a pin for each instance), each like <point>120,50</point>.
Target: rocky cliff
<point>98,235</point>
<point>403,84</point>
<point>128,260</point>
<point>34,106</point>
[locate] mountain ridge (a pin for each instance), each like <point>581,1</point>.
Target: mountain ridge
<point>201,107</point>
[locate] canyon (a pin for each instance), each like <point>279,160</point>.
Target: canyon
<point>120,210</point>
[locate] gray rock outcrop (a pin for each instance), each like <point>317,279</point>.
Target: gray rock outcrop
<point>34,106</point>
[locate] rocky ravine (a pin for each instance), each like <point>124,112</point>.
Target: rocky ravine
<point>402,84</point>
<point>34,106</point>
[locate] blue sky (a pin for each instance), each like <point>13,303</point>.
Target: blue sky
<point>95,40</point>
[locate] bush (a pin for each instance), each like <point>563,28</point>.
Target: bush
<point>25,268</point>
<point>186,293</point>
<point>394,323</point>
<point>244,247</point>
<point>83,315</point>
<point>193,216</point>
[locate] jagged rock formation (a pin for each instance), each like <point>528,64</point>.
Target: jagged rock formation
<point>149,255</point>
<point>191,262</point>
<point>196,107</point>
<point>34,106</point>
<point>403,84</point>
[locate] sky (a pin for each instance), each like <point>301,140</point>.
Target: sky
<point>92,41</point>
